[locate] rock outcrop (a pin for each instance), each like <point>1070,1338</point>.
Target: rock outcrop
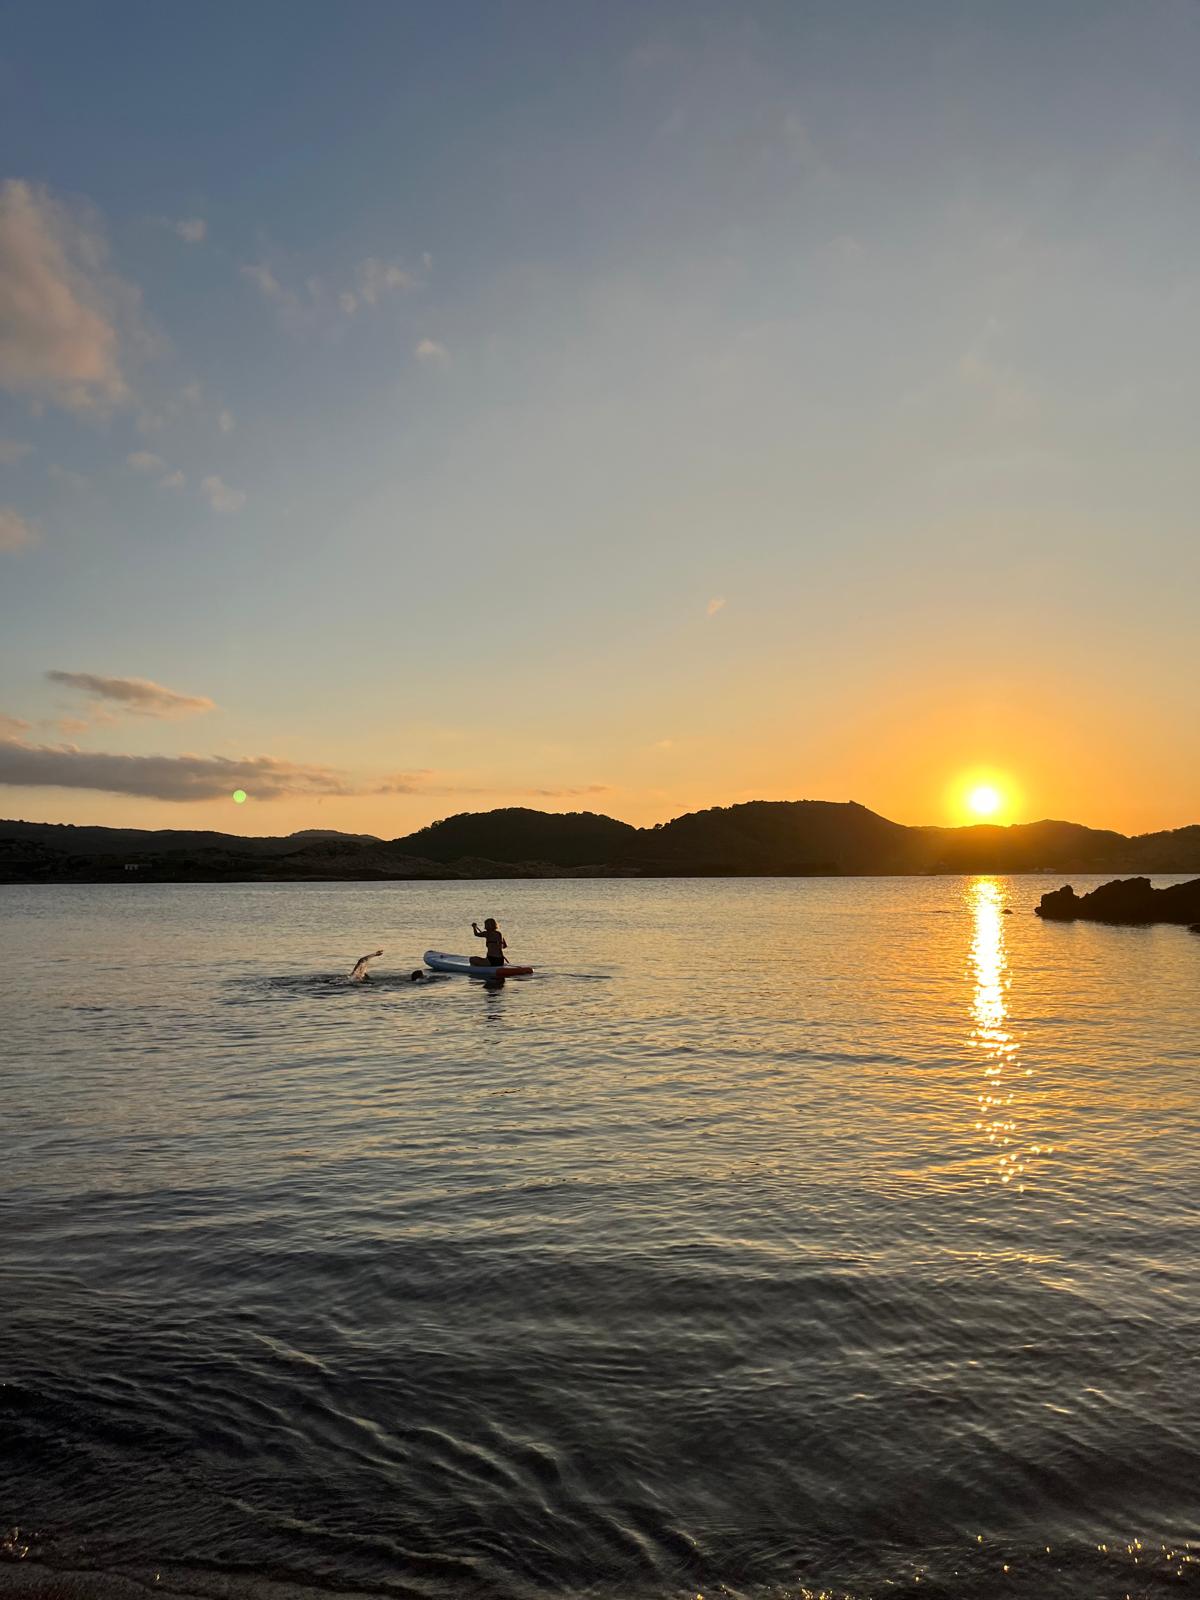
<point>1126,900</point>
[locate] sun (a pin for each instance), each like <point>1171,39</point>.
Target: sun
<point>983,794</point>
<point>984,800</point>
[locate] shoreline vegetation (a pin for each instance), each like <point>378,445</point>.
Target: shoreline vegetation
<point>794,838</point>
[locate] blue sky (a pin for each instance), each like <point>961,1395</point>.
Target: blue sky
<point>625,406</point>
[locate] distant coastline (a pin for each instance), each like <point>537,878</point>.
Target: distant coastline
<point>797,838</point>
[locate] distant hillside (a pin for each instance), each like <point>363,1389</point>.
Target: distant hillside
<point>332,833</point>
<point>1028,847</point>
<point>782,837</point>
<point>1155,850</point>
<point>759,838</point>
<point>566,839</point>
<point>119,841</point>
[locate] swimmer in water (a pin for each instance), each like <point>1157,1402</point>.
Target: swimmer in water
<point>360,973</point>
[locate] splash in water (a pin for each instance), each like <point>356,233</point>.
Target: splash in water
<point>360,973</point>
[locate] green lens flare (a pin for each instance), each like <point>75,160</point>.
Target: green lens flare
<point>239,797</point>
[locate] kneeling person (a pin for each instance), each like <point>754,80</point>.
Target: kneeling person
<point>497,944</point>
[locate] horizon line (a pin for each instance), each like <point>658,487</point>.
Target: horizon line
<point>606,816</point>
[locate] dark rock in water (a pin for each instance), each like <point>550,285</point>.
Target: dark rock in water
<point>1061,905</point>
<point>1195,928</point>
<point>1128,900</point>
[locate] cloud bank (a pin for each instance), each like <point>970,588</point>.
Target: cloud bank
<point>139,695</point>
<point>58,304</point>
<point>176,778</point>
<point>199,778</point>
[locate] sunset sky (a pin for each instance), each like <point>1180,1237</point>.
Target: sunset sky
<point>409,409</point>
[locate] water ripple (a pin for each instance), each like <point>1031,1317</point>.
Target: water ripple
<point>869,1270</point>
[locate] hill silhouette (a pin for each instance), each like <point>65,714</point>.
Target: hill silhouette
<point>759,838</point>
<point>782,837</point>
<point>517,833</point>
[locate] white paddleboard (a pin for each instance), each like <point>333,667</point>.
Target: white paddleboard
<point>441,962</point>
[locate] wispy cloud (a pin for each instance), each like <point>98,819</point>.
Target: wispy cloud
<point>171,408</point>
<point>443,783</point>
<point>404,783</point>
<point>264,280</point>
<point>192,230</point>
<point>225,421</point>
<point>575,792</point>
<point>15,532</point>
<point>797,143</point>
<point>1001,388</point>
<point>145,461</point>
<point>714,605</point>
<point>300,311</point>
<point>59,338</point>
<point>138,695</point>
<point>374,280</point>
<point>175,778</point>
<point>12,451</point>
<point>76,482</point>
<point>10,726</point>
<point>221,497</point>
<point>432,354</point>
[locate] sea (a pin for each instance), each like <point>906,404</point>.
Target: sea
<point>775,1239</point>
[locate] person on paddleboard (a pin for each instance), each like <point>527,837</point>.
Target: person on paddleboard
<point>497,944</point>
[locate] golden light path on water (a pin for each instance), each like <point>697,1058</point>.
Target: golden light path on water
<point>992,1037</point>
<point>629,1281</point>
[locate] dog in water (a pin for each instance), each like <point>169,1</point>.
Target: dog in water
<point>360,973</point>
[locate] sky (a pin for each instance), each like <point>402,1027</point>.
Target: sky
<point>408,409</point>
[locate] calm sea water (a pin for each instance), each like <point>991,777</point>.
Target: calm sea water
<point>776,1238</point>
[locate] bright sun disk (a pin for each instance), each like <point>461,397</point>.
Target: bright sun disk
<point>984,800</point>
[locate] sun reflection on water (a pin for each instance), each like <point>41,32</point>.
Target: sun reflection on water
<point>992,1037</point>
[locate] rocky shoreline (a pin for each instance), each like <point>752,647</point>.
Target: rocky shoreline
<point>1130,901</point>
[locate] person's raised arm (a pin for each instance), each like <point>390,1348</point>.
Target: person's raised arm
<point>477,931</point>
